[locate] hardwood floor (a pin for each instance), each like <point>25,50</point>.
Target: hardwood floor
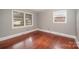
<point>39,40</point>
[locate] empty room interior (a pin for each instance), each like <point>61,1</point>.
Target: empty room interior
<point>39,28</point>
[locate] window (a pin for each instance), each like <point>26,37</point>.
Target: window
<point>28,19</point>
<point>60,16</point>
<point>21,19</point>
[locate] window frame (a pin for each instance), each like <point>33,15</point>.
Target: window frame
<point>65,15</point>
<point>13,27</point>
<point>32,19</point>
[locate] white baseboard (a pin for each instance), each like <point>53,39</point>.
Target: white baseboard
<point>14,35</point>
<point>57,33</point>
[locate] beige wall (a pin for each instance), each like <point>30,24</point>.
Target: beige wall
<point>78,24</point>
<point>42,20</point>
<point>0,23</point>
<point>6,23</point>
<point>45,21</point>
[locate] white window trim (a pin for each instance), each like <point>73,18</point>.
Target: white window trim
<point>60,22</point>
<point>24,20</point>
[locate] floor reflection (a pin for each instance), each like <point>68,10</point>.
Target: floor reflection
<point>27,43</point>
